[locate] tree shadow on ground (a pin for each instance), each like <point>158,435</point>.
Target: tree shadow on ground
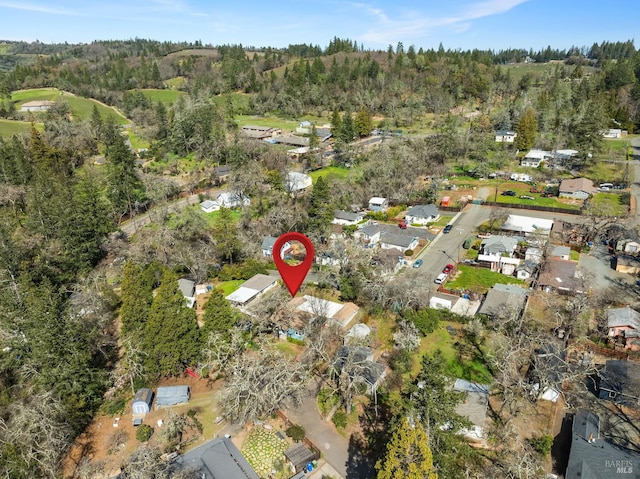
<point>562,445</point>
<point>369,444</point>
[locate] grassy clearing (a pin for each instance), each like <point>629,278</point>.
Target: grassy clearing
<point>479,280</point>
<point>523,189</point>
<point>609,172</point>
<point>10,127</point>
<point>37,94</point>
<point>137,142</point>
<point>608,204</point>
<point>288,349</point>
<point>229,287</point>
<point>277,122</point>
<point>163,96</point>
<point>175,83</point>
<point>333,173</point>
<point>212,217</point>
<point>574,255</point>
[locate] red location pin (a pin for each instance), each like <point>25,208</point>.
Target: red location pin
<point>293,276</point>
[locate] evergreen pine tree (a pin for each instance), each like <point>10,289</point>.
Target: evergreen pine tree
<point>219,316</point>
<point>527,130</point>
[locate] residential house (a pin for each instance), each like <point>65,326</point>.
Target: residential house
<point>623,325</point>
<point>222,173</point>
<point>346,218</point>
<point>172,395</point>
<point>361,366</point>
<point>233,199</point>
<point>612,133</point>
<point>217,459</point>
<point>298,141</point>
<point>358,333</point>
<point>422,214</point>
<point>504,301</point>
<point>331,258</point>
<point>141,403</point>
<point>533,255</point>
<point>560,252</point>
<point>37,105</point>
<point>308,309</point>
<point>620,383</point>
<point>209,206</point>
<point>188,290</point>
<point>369,234</point>
<point>627,264</point>
<point>577,188</point>
<point>560,275</point>
<point>535,158</point>
<point>252,289</point>
<point>593,456</point>
<point>296,182</point>
<point>496,253</point>
<point>526,270</point>
<point>505,136</point>
<point>563,158</point>
<point>527,225</point>
<point>398,242</point>
<point>473,407</point>
<point>267,247</point>
<point>260,132</point>
<point>377,203</point>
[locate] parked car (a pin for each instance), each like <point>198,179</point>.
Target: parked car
<point>526,197</point>
<point>547,194</point>
<point>417,263</point>
<point>447,229</point>
<point>440,279</point>
<point>484,235</point>
<point>448,269</point>
<point>402,225</point>
<point>508,193</point>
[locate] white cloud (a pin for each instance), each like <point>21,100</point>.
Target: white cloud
<point>416,24</point>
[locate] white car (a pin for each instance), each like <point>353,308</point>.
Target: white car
<point>440,279</point>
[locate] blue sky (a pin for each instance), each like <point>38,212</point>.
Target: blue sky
<point>465,24</point>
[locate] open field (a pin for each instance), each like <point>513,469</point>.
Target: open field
<point>609,172</point>
<point>10,127</point>
<point>164,96</point>
<point>608,204</point>
<point>333,173</point>
<point>175,83</point>
<point>81,107</point>
<point>478,280</point>
<point>277,122</point>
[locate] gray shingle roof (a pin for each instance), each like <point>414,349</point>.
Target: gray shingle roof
<point>503,300</point>
<point>347,215</point>
<point>268,242</point>
<point>423,211</point>
<point>499,244</point>
<point>217,459</point>
<point>397,240</point>
<point>626,316</point>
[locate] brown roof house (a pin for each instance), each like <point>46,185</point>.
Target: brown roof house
<point>627,264</point>
<point>307,308</point>
<point>560,275</point>
<point>577,188</point>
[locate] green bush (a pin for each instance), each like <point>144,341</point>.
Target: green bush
<point>542,444</point>
<point>296,432</point>
<point>409,252</point>
<point>295,341</point>
<point>340,419</point>
<point>144,433</point>
<point>246,270</point>
<point>114,406</point>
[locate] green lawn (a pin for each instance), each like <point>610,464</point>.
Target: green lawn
<point>607,204</point>
<point>175,82</point>
<point>81,107</point>
<point>137,142</point>
<point>211,217</point>
<point>479,280</point>
<point>523,189</point>
<point>164,96</point>
<point>229,287</point>
<point>574,255</point>
<point>608,172</point>
<point>333,173</point>
<point>10,127</point>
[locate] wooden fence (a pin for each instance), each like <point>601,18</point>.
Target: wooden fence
<point>522,206</point>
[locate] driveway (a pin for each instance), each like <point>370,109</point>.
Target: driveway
<point>597,268</point>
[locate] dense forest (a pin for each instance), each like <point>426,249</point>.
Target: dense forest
<point>68,335</point>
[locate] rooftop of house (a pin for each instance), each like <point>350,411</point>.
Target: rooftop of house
<point>370,230</point>
<point>577,184</point>
<point>561,251</point>
<point>377,200</point>
<point>397,239</point>
<point>505,132</point>
<point>347,215</point>
<point>594,457</point>
<point>537,155</point>
<point>619,317</point>
<point>560,274</point>
<point>38,103</point>
<point>268,242</point>
<point>187,287</point>
<point>259,282</point>
<point>217,459</point>
<point>423,211</point>
<point>526,224</point>
<point>626,260</point>
<point>499,244</point>
<point>474,407</point>
<point>503,300</point>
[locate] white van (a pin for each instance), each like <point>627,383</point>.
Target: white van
<point>440,279</point>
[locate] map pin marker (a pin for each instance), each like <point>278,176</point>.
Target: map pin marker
<point>293,276</point>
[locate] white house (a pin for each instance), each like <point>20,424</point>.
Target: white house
<point>535,158</point>
<point>346,218</point>
<point>527,225</point>
<point>209,206</point>
<point>369,234</point>
<point>233,200</point>
<point>378,204</point>
<point>612,133</point>
<point>561,252</point>
<point>397,241</point>
<point>505,136</point>
<point>296,182</point>
<point>252,289</point>
<point>37,105</point>
<point>422,214</point>
<point>496,253</point>
<point>267,247</point>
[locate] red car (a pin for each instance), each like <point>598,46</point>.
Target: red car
<point>402,226</point>
<point>448,268</point>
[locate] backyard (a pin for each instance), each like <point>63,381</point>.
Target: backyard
<point>478,280</point>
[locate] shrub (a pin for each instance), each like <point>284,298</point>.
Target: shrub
<point>144,433</point>
<point>409,252</point>
<point>542,444</point>
<point>296,432</point>
<point>114,406</point>
<point>340,419</point>
<point>295,341</point>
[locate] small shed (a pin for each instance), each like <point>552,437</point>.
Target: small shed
<point>172,395</point>
<point>142,401</point>
<point>446,201</point>
<point>299,456</point>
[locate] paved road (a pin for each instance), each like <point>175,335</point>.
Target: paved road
<point>635,186</point>
<point>334,447</point>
